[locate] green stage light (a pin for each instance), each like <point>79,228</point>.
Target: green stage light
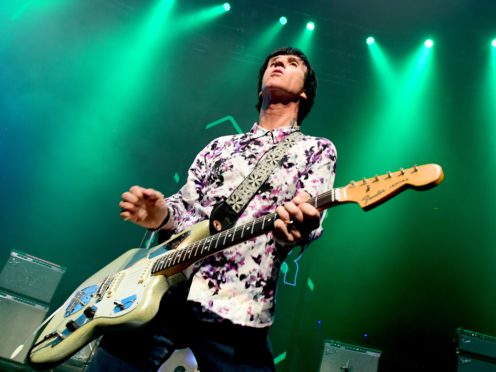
<point>429,43</point>
<point>283,20</point>
<point>227,7</point>
<point>370,40</point>
<point>493,43</point>
<point>310,26</point>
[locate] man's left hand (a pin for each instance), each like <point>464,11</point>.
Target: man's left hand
<point>296,220</point>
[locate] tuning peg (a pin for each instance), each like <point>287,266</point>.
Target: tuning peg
<point>368,188</point>
<point>415,168</point>
<point>402,171</point>
<point>376,178</point>
<point>353,183</point>
<point>365,181</point>
<point>389,174</point>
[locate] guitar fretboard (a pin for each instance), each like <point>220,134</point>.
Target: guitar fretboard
<point>237,234</point>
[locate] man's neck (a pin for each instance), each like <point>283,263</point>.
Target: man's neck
<point>278,115</point>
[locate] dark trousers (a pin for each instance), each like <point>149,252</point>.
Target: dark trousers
<point>217,346</point>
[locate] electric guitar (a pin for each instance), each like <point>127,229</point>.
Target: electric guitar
<point>126,293</point>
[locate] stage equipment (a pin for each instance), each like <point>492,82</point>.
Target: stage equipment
<point>476,352</point>
<point>27,285</point>
<point>20,317</point>
<point>341,357</point>
<point>29,276</point>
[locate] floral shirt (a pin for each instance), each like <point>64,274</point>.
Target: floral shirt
<point>239,283</point>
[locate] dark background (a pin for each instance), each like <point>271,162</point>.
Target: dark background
<point>99,95</point>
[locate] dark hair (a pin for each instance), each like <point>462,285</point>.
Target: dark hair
<point>309,86</point>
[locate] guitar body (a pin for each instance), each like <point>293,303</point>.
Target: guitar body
<point>124,294</point>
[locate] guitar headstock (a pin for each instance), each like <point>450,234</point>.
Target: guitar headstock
<point>371,192</point>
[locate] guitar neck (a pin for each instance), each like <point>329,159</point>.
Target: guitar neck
<point>235,235</point>
<point>367,193</point>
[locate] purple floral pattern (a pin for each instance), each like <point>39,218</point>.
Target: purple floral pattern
<point>239,283</point>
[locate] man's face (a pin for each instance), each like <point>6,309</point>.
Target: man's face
<point>285,74</point>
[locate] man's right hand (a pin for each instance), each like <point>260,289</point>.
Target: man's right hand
<point>145,207</point>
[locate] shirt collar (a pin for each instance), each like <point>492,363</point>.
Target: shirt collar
<point>277,135</point>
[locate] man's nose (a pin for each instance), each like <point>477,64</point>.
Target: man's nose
<point>280,63</point>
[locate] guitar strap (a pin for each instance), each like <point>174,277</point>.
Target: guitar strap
<point>225,213</point>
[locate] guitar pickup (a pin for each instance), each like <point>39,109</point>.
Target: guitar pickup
<point>80,299</point>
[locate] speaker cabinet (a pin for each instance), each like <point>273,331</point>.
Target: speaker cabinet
<point>30,276</point>
<point>19,319</point>
<point>476,351</point>
<point>471,364</point>
<point>341,357</point>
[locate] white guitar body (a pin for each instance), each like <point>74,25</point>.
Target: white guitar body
<point>123,294</point>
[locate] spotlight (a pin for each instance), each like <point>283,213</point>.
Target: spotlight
<point>283,20</point>
<point>493,43</point>
<point>310,26</point>
<point>429,43</point>
<point>227,7</point>
<point>370,40</point>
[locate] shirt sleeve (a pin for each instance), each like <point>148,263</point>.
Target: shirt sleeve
<point>319,176</point>
<point>187,204</point>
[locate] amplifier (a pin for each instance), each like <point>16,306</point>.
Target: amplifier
<point>20,318</point>
<point>470,364</point>
<point>470,342</point>
<point>341,357</point>
<point>30,276</point>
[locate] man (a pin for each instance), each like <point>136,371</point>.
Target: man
<point>224,312</point>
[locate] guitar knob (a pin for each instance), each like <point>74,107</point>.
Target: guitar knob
<point>89,312</point>
<point>72,325</point>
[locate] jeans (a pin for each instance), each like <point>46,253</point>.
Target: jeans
<point>217,346</point>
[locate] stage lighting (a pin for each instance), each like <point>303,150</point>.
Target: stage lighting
<point>227,7</point>
<point>310,26</point>
<point>493,43</point>
<point>429,43</point>
<point>370,40</point>
<point>283,20</point>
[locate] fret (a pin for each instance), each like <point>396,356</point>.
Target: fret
<point>179,253</point>
<point>183,254</point>
<point>174,259</point>
<point>168,262</point>
<point>234,235</point>
<point>217,243</point>
<point>162,265</point>
<point>155,266</point>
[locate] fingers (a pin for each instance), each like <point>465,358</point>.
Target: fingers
<point>129,197</point>
<point>301,197</point>
<point>152,194</point>
<point>296,219</point>
<point>138,204</point>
